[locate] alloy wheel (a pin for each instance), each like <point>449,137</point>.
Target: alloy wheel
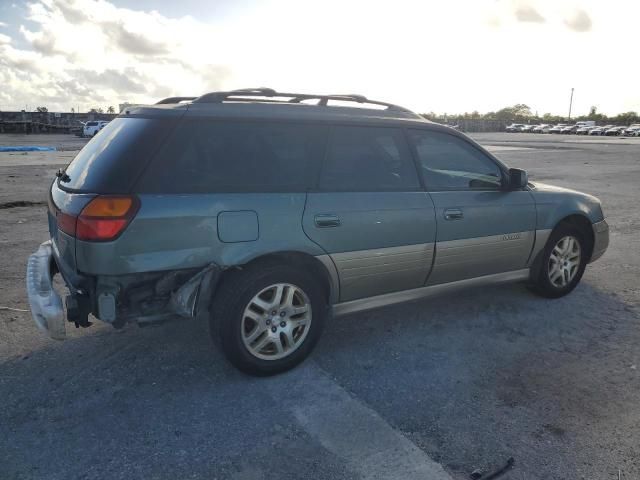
<point>276,321</point>
<point>564,261</point>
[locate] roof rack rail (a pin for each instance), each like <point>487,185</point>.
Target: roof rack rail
<point>269,94</point>
<point>174,100</point>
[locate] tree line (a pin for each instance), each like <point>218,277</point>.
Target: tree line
<point>521,113</point>
<point>110,109</point>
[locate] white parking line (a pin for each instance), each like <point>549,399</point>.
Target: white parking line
<point>503,148</point>
<point>349,429</point>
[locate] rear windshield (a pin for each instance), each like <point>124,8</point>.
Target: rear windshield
<point>91,124</point>
<point>113,159</point>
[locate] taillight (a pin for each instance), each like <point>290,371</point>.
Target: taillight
<point>66,223</point>
<point>105,217</point>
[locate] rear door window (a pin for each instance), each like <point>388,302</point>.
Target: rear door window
<point>111,161</point>
<point>209,156</point>
<point>368,159</point>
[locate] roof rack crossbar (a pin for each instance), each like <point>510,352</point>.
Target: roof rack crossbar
<point>242,94</point>
<point>168,100</point>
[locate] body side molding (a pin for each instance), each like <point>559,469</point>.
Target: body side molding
<point>428,291</point>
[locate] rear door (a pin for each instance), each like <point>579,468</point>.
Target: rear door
<point>370,214</point>
<point>482,228</point>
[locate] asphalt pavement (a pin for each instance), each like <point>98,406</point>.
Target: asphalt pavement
<point>429,390</point>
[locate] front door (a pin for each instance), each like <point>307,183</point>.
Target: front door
<point>482,228</point>
<point>369,213</point>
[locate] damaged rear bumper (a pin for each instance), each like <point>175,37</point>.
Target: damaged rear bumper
<point>163,295</point>
<point>44,301</point>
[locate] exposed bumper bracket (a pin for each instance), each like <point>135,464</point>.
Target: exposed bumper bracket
<point>44,301</point>
<point>189,298</point>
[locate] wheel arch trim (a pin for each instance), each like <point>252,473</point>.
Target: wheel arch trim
<point>322,264</point>
<point>542,236</point>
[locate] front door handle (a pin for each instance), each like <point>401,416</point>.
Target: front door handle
<point>326,220</point>
<point>453,214</point>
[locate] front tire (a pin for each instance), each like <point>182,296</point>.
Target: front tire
<point>562,262</point>
<point>268,319</point>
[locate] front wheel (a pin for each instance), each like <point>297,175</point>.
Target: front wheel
<point>268,319</point>
<point>562,262</point>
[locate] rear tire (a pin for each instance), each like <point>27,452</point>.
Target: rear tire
<point>562,262</point>
<point>268,319</point>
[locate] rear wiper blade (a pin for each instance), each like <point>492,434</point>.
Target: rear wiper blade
<point>62,175</point>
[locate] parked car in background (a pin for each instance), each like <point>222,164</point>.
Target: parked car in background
<point>585,129</point>
<point>614,131</point>
<point>267,215</point>
<point>543,128</point>
<point>558,128</point>
<point>600,130</point>
<point>515,127</point>
<point>528,128</point>
<point>633,130</point>
<point>569,129</point>
<point>91,129</point>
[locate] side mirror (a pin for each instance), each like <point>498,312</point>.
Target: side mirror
<point>518,179</point>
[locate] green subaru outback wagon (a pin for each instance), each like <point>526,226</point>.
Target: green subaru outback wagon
<point>268,212</point>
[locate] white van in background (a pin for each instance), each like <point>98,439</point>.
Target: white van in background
<point>92,128</point>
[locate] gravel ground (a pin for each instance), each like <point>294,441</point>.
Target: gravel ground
<point>466,381</point>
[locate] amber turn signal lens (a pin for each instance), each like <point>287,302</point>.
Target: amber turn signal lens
<point>108,207</point>
<point>105,218</point>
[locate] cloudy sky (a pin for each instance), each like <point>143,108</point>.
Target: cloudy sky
<point>444,56</point>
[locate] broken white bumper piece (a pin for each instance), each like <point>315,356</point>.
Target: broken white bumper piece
<point>44,301</point>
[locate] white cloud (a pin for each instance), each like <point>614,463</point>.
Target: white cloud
<point>430,56</point>
<point>579,21</point>
<point>89,52</point>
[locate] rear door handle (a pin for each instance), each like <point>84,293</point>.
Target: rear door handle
<point>453,214</point>
<point>326,220</point>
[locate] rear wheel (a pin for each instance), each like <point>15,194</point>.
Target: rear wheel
<point>562,262</point>
<point>268,319</point>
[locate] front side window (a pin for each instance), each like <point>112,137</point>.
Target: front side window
<point>367,159</point>
<point>450,163</point>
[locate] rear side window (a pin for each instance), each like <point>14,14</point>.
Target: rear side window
<point>367,159</point>
<point>214,156</point>
<point>450,163</point>
<point>112,161</point>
